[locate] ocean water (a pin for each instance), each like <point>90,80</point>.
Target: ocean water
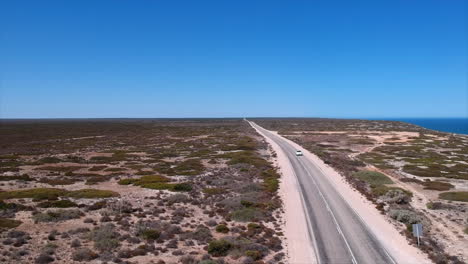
<point>451,125</point>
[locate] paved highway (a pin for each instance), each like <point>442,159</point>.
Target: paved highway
<point>338,234</point>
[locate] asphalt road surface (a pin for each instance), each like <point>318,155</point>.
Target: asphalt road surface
<point>338,234</point>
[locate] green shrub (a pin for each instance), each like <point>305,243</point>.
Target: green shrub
<point>127,181</point>
<point>6,223</point>
<point>189,167</point>
<point>92,193</point>
<point>271,184</point>
<point>11,206</point>
<point>247,214</point>
<point>61,168</point>
<point>207,261</point>
<point>158,186</point>
<point>95,179</point>
<point>157,182</point>
<point>271,172</point>
<point>245,157</point>
<point>253,226</point>
<point>430,205</point>
<point>57,204</point>
<point>37,193</point>
<point>58,215</point>
<point>244,143</point>
<point>219,248</point>
<point>222,229</point>
<point>24,177</point>
<point>63,181</point>
<point>438,186</point>
<point>454,196</point>
<point>49,160</point>
<point>254,254</point>
<point>247,203</point>
<point>373,178</point>
<point>54,194</point>
<point>182,187</point>
<point>149,234</point>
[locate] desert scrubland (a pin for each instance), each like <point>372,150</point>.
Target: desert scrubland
<point>411,174</point>
<point>138,191</point>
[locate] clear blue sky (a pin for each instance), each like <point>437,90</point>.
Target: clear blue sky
<point>394,58</point>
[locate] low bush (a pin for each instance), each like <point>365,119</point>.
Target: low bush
<point>244,143</point>
<point>440,206</point>
<point>381,190</point>
<point>37,193</point>
<point>454,196</point>
<point>201,234</point>
<point>157,182</point>
<point>58,215</point>
<point>219,248</point>
<point>177,198</point>
<point>126,181</point>
<point>397,196</point>
<point>105,237</point>
<point>60,168</point>
<point>247,215</point>
<point>373,178</point>
<point>405,216</point>
<point>438,186</point>
<point>92,193</point>
<point>208,261</point>
<point>144,180</point>
<point>63,181</point>
<point>182,187</point>
<point>44,259</point>
<point>6,223</point>
<point>84,254</point>
<point>149,234</point>
<point>23,177</point>
<point>54,194</point>
<point>254,254</point>
<point>189,167</point>
<point>245,157</point>
<point>97,205</point>
<point>271,184</point>
<point>96,179</point>
<point>11,206</point>
<point>158,186</point>
<point>57,204</point>
<point>222,228</point>
<point>49,160</point>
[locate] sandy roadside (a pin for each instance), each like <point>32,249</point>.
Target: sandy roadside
<point>299,247</point>
<point>384,231</point>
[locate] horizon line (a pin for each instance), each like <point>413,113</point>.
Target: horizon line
<point>239,117</point>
